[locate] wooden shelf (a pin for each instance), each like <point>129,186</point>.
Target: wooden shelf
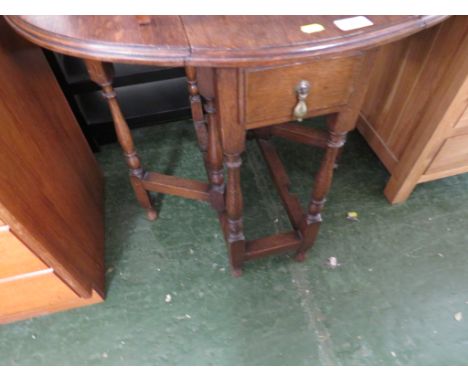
<point>147,94</point>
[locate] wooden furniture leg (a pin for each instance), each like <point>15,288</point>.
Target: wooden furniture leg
<point>215,160</point>
<point>208,140</point>
<point>338,126</point>
<point>102,73</point>
<point>145,181</point>
<point>311,223</point>
<point>234,206</point>
<point>233,136</point>
<point>197,111</point>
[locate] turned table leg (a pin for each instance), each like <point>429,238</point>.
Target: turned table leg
<point>234,206</point>
<point>323,179</point>
<point>208,140</point>
<point>215,160</point>
<point>339,125</point>
<point>197,110</point>
<point>102,73</point>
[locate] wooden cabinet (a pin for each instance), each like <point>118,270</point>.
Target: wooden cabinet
<point>452,158</point>
<point>51,192</point>
<point>15,258</point>
<point>415,116</point>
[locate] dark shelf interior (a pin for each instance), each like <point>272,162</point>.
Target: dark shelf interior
<point>147,95</point>
<point>145,99</point>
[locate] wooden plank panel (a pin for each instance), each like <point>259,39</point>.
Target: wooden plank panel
<point>463,121</point>
<point>377,144</point>
<point>51,188</point>
<point>38,295</point>
<point>433,75</point>
<point>395,97</point>
<point>452,155</point>
<point>16,258</point>
<point>406,125</point>
<point>382,83</point>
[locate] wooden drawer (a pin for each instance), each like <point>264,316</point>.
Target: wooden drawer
<point>36,295</point>
<point>452,157</point>
<point>15,258</point>
<point>270,95</point>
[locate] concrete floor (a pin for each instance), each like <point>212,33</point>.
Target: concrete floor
<point>392,301</point>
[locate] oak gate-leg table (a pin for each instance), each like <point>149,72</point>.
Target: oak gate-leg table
<point>254,73</point>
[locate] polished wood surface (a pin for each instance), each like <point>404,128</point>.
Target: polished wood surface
<point>270,92</point>
<point>16,258</point>
<point>108,38</point>
<point>36,295</point>
<point>209,40</point>
<point>51,189</point>
<point>453,155</point>
<point>250,72</point>
<point>414,116</point>
<point>102,74</point>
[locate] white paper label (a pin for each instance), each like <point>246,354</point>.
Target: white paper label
<point>353,23</point>
<point>312,28</point>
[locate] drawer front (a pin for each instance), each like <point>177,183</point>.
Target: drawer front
<point>452,156</point>
<point>15,258</point>
<point>270,93</point>
<point>29,294</point>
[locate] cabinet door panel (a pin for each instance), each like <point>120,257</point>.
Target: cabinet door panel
<point>51,189</point>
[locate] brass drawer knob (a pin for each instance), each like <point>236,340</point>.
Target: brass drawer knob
<point>302,90</point>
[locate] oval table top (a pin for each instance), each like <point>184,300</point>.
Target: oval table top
<point>220,41</point>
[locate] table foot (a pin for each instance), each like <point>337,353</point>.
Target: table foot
<point>236,272</point>
<point>300,257</point>
<point>151,214</point>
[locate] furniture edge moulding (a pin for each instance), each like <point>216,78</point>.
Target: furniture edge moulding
<point>193,56</point>
<point>101,51</point>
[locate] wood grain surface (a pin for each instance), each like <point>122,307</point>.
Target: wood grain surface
<point>51,188</point>
<point>209,40</point>
<point>414,116</point>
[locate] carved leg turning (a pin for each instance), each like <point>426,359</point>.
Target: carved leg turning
<point>102,74</point>
<point>197,110</point>
<point>311,223</point>
<point>338,158</point>
<point>338,125</point>
<point>215,160</point>
<point>208,140</point>
<point>235,235</point>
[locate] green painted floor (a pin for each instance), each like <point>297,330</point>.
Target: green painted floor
<point>392,301</point>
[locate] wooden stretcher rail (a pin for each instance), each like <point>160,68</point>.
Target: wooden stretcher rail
<point>300,134</point>
<point>173,185</point>
<point>271,245</point>
<point>282,182</point>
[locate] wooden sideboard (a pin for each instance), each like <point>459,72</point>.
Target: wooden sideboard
<point>51,192</point>
<point>415,116</point>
